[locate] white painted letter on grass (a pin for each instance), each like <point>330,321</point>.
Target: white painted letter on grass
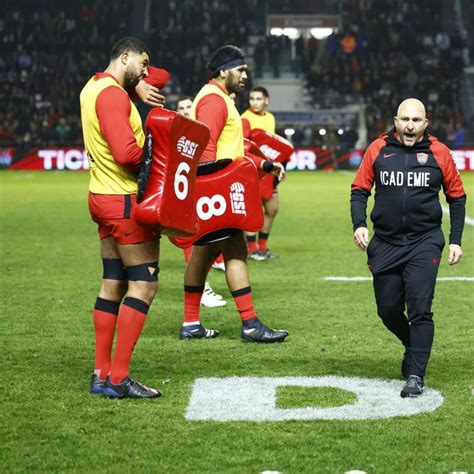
<point>254,399</point>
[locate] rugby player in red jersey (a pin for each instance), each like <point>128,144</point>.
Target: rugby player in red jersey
<point>114,139</point>
<point>214,107</point>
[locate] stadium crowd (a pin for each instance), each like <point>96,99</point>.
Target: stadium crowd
<point>48,50</point>
<point>391,50</point>
<point>388,51</point>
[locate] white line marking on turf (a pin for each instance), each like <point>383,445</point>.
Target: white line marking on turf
<point>467,220</point>
<point>254,399</point>
<point>359,278</point>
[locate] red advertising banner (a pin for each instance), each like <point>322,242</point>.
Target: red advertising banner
<point>304,158</point>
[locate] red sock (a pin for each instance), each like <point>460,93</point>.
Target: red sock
<point>262,241</point>
<point>219,259</point>
<point>187,253</point>
<point>192,303</point>
<point>105,319</point>
<point>252,243</point>
<point>130,324</point>
<point>243,301</point>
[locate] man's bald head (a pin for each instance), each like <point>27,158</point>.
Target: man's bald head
<point>411,105</point>
<point>410,122</point>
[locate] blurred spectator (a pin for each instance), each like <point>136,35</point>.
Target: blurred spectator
<point>348,43</point>
<point>259,57</point>
<point>458,136</point>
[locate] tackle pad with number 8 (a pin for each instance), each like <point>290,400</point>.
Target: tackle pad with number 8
<point>166,183</point>
<point>274,148</point>
<point>227,199</point>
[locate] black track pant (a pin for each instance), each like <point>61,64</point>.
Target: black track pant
<point>406,276</point>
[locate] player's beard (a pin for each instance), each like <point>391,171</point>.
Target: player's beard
<point>232,84</point>
<point>131,79</point>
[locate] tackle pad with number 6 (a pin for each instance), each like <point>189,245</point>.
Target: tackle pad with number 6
<point>227,199</point>
<point>166,183</point>
<point>274,148</point>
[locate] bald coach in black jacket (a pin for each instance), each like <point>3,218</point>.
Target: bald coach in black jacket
<point>408,167</point>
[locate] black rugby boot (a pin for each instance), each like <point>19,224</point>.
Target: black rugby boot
<point>129,388</point>
<point>256,331</point>
<point>97,385</point>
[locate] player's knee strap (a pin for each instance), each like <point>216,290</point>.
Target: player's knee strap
<point>143,272</point>
<point>113,269</point>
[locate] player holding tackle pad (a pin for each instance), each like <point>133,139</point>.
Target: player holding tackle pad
<point>115,145</point>
<point>213,107</point>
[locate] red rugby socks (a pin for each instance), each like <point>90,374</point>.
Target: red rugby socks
<point>262,241</point>
<point>192,303</point>
<point>243,302</point>
<point>252,243</point>
<point>105,319</point>
<point>129,327</point>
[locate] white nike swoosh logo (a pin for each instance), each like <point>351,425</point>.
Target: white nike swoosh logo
<point>249,331</point>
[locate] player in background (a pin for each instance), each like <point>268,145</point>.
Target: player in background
<point>209,299</point>
<point>257,116</point>
<point>114,140</point>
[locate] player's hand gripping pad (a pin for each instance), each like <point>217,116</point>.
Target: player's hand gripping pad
<point>274,148</point>
<point>166,184</point>
<point>227,198</point>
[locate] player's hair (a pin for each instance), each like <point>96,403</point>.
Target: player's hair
<point>184,97</point>
<point>128,44</point>
<point>222,56</point>
<point>261,89</point>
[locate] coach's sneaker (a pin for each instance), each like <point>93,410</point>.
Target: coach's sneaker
<point>406,363</point>
<point>210,299</point>
<point>413,387</point>
<point>129,388</point>
<point>97,385</point>
<point>256,331</point>
<point>197,331</point>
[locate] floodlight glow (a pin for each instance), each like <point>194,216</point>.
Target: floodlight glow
<point>276,31</point>
<point>322,131</point>
<point>321,33</point>
<point>292,33</point>
<point>340,131</point>
<point>289,132</point>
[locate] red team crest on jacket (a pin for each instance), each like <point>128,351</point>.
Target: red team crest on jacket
<point>422,158</point>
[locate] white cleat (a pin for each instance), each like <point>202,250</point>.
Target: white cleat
<point>210,299</point>
<point>219,266</point>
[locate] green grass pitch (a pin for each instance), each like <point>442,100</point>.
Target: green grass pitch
<point>50,275</point>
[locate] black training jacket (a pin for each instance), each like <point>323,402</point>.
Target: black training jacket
<point>407,184</point>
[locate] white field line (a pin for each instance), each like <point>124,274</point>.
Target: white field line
<point>467,220</point>
<point>359,278</point>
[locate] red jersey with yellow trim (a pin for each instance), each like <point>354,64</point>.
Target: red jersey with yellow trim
<point>407,184</point>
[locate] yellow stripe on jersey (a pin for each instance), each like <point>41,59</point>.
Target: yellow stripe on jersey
<point>106,175</point>
<point>263,122</point>
<point>231,139</point>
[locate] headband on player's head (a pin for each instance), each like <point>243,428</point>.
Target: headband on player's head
<point>230,65</point>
